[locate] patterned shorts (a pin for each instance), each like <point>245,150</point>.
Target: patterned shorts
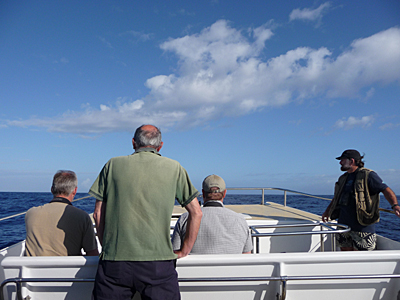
<point>358,240</point>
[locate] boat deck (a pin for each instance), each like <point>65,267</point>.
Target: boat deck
<point>268,211</point>
<point>290,261</point>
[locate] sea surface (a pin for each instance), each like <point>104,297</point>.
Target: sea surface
<point>13,230</point>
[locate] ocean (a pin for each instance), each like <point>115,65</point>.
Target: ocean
<point>13,230</point>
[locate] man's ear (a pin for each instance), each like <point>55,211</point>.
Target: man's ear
<point>159,148</point>
<point>74,192</point>
<point>133,143</point>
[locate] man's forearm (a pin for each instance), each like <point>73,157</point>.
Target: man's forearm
<point>390,196</point>
<point>98,216</point>
<point>192,228</point>
<point>392,199</point>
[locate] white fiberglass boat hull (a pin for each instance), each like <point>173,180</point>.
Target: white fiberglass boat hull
<point>285,267</point>
<point>254,276</point>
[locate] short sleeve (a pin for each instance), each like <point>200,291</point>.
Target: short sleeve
<point>375,183</point>
<point>185,191</point>
<point>98,189</point>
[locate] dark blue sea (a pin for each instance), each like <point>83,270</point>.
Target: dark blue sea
<point>13,230</point>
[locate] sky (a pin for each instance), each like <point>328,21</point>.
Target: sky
<point>262,93</point>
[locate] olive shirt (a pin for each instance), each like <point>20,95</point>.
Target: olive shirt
<point>58,229</point>
<point>139,192</point>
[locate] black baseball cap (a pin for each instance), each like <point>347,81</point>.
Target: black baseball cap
<point>351,153</point>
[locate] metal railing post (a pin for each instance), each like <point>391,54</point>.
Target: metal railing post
<point>262,198</point>
<point>19,290</point>
<point>283,291</point>
<point>322,248</point>
<point>333,241</point>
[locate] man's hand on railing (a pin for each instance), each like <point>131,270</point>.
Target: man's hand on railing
<point>325,217</point>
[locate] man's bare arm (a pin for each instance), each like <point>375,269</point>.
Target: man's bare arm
<point>392,199</point>
<point>99,217</point>
<point>193,225</point>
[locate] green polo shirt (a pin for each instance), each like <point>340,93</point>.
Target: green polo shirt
<point>139,192</point>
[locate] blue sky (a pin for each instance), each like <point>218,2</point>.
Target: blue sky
<point>262,93</point>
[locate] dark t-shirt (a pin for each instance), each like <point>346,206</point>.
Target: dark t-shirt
<point>347,202</point>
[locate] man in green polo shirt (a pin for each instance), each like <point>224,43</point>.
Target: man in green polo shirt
<point>135,198</point>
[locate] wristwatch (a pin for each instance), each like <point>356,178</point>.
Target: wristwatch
<point>394,205</point>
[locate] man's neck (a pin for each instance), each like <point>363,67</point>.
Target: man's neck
<point>217,203</point>
<point>206,200</point>
<point>352,169</point>
<point>146,148</point>
<point>65,197</point>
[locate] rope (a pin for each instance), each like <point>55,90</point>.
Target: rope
<point>82,198</point>
<point>387,210</point>
<point>19,214</point>
<point>9,217</point>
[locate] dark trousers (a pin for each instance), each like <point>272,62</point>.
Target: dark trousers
<point>119,280</point>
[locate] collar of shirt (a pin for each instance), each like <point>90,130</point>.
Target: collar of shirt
<point>147,149</point>
<point>61,200</point>
<point>213,203</point>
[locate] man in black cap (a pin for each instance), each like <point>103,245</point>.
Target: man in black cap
<point>356,203</point>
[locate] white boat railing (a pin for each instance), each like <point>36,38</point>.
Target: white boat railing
<point>329,230</point>
<point>340,228</point>
<point>283,280</point>
<point>285,191</point>
<point>18,283</point>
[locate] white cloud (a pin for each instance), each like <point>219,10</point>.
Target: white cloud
<point>130,106</point>
<point>370,93</point>
<point>64,60</point>
<point>104,107</point>
<point>122,117</point>
<point>138,35</point>
<point>221,72</point>
<point>85,184</point>
<point>365,63</point>
<point>104,41</point>
<point>352,122</point>
<point>389,126</point>
<point>309,14</point>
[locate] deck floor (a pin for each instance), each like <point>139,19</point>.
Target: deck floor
<point>269,211</point>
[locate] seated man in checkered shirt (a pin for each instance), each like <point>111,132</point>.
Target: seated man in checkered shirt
<point>222,231</point>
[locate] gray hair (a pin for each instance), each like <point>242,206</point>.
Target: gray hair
<point>64,183</point>
<point>147,138</point>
